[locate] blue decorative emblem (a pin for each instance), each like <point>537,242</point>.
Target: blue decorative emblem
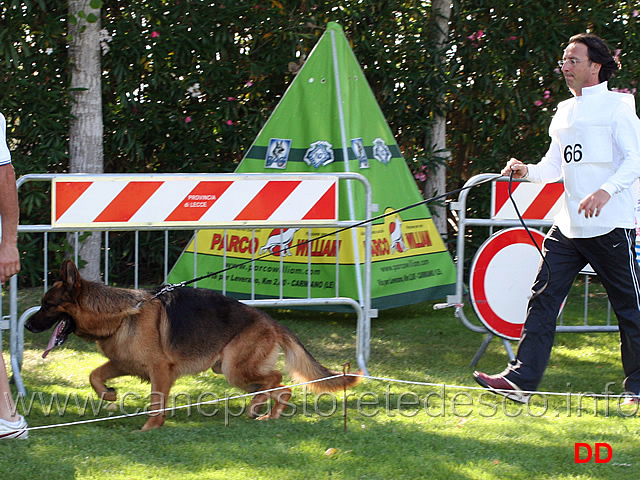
<point>319,154</point>
<point>277,153</point>
<point>358,150</point>
<point>381,151</point>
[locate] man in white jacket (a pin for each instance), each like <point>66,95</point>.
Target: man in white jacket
<point>595,150</point>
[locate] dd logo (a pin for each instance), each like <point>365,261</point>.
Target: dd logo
<point>597,447</point>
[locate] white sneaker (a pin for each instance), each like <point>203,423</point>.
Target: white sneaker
<point>17,429</point>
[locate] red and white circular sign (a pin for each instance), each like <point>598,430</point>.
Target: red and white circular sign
<point>502,274</point>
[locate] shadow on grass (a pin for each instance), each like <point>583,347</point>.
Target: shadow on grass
<point>311,448</point>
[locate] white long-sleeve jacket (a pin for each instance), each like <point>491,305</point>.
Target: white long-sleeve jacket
<point>5,156</point>
<point>595,144</point>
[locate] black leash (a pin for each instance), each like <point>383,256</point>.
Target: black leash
<point>173,286</point>
<point>524,225</point>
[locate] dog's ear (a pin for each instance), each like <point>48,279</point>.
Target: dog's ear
<point>69,275</point>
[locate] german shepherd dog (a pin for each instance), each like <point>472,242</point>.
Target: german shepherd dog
<point>184,331</point>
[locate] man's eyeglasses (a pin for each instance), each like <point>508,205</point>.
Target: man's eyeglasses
<point>572,61</point>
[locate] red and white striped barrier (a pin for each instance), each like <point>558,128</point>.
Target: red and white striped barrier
<point>536,201</point>
<point>210,201</point>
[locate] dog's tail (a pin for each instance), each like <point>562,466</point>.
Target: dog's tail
<point>302,367</point>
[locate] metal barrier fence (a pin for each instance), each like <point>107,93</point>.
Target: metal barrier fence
<point>501,222</point>
<point>361,306</point>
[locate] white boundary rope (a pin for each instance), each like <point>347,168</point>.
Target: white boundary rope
<point>531,393</point>
<point>190,405</point>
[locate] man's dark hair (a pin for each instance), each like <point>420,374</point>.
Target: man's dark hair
<point>598,52</point>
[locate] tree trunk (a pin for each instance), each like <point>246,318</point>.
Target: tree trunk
<point>85,134</point>
<point>435,183</point>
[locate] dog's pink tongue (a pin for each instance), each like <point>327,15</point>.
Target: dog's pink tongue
<point>52,340</point>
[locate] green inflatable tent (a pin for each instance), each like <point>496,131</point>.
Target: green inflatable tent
<point>329,121</point>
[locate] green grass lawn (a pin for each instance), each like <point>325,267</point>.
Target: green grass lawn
<point>434,428</point>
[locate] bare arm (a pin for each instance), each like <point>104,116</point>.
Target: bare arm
<point>9,215</point>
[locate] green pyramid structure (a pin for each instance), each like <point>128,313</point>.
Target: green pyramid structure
<point>329,121</point>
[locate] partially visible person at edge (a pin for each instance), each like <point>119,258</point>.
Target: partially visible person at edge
<point>595,150</point>
<point>12,425</point>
